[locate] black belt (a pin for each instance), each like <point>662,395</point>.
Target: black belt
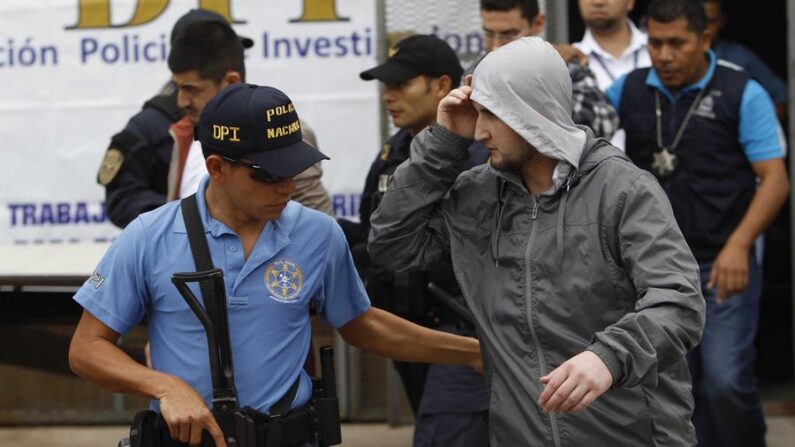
<point>293,429</point>
<point>254,429</point>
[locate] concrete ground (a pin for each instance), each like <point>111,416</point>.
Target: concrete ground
<point>354,435</point>
<point>780,433</point>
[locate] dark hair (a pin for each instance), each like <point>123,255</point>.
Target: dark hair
<point>720,4</point>
<point>667,11</point>
<point>211,48</point>
<point>529,7</point>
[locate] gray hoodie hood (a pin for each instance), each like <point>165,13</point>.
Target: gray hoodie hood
<point>527,85</point>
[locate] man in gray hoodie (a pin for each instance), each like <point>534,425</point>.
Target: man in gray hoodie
<point>585,294</point>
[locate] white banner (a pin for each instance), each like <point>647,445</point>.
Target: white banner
<point>72,72</point>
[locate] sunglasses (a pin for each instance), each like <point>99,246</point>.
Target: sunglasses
<point>258,172</point>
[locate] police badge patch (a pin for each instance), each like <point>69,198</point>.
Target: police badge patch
<point>111,165</point>
<point>384,156</point>
<point>284,280</point>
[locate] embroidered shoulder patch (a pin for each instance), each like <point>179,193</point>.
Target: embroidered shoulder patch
<point>111,165</point>
<point>385,152</point>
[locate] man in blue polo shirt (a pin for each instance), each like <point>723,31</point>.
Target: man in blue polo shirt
<point>710,135</point>
<point>278,257</point>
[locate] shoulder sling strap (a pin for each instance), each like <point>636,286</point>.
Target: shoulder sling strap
<point>203,262</point>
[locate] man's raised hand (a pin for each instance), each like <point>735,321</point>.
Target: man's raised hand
<point>456,112</point>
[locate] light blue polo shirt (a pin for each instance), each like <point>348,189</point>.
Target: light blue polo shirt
<point>300,260</point>
<point>759,132</point>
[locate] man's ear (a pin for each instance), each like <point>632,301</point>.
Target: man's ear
<point>217,167</point>
<point>706,40</point>
<point>231,77</point>
<point>537,25</point>
<point>445,83</point>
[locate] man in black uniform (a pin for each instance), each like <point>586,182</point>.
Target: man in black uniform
<point>134,171</point>
<point>450,403</point>
<point>135,168</point>
<point>138,172</point>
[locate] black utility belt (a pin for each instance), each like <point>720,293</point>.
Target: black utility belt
<point>252,429</point>
<point>297,427</point>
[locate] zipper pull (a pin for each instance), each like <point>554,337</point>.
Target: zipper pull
<point>535,210</point>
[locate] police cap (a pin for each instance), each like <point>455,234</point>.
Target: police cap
<point>257,123</point>
<point>414,56</point>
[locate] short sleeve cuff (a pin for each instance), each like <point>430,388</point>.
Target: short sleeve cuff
<point>102,314</point>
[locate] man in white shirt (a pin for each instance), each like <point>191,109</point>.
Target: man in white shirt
<point>614,45</point>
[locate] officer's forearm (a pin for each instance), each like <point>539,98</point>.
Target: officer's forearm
<point>94,356</point>
<point>770,196</point>
<point>385,334</point>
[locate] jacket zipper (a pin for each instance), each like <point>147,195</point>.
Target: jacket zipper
<point>553,419</point>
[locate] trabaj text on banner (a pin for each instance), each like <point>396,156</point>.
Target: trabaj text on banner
<point>74,71</point>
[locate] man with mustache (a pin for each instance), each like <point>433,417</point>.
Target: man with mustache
<point>710,134</point>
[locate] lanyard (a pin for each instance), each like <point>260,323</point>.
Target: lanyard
<point>665,159</point>
<point>681,131</point>
<point>607,70</point>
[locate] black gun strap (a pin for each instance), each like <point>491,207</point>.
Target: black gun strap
<point>201,255</point>
<point>203,262</point>
<point>283,405</point>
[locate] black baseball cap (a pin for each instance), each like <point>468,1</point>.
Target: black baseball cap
<point>416,55</point>
<point>203,15</point>
<point>246,121</point>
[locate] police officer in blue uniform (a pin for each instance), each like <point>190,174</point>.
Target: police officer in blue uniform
<point>450,402</point>
<point>279,259</point>
<point>710,134</point>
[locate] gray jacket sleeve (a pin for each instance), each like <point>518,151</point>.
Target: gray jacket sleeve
<point>409,229</point>
<point>668,316</point>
